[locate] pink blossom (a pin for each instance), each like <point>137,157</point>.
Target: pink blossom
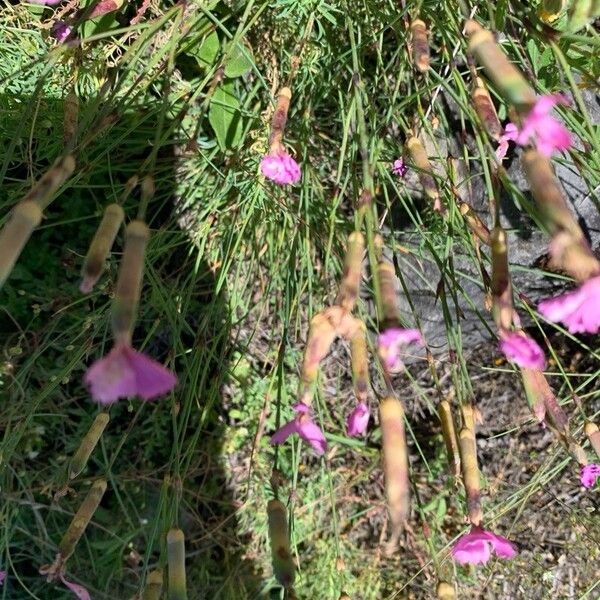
<point>522,350</point>
<point>548,133</point>
<point>477,546</point>
<point>399,168</point>
<point>2,576</point>
<point>579,309</point>
<point>280,168</point>
<point>358,419</point>
<point>124,373</point>
<point>391,341</point>
<point>103,7</point>
<point>60,32</point>
<point>304,426</point>
<point>589,474</point>
<point>78,590</point>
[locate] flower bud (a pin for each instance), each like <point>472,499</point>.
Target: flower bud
<point>25,217</point>
<point>360,364</point>
<point>279,120</point>
<point>501,285</point>
<point>474,223</point>
<point>425,171</point>
<point>449,435</point>
<point>420,45</point>
<point>350,286</point>
<point>101,246</point>
<point>387,289</point>
<point>154,585</point>
<point>176,564</point>
<point>129,282</point>
<point>593,434</point>
<point>44,189</point>
<point>88,443</point>
<point>395,461</point>
<point>470,473</point>
<point>81,519</point>
<point>507,78</point>
<point>284,568</point>
<point>485,109</point>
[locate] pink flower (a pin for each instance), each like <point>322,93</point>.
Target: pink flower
<point>78,590</point>
<point>548,133</point>
<point>124,373</point>
<point>522,350</point>
<point>60,31</point>
<point>589,474</point>
<point>579,309</point>
<point>391,341</point>
<point>399,168</point>
<point>303,425</point>
<point>358,419</point>
<point>280,168</point>
<point>477,545</point>
<point>2,577</point>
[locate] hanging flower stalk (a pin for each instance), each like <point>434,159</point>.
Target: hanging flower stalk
<point>284,567</point>
<point>425,171</point>
<point>392,337</point>
<point>88,443</point>
<point>351,277</point>
<point>176,565</point>
<point>278,165</point>
<point>420,45</point>
<point>395,462</point>
<point>154,586</point>
<point>359,418</point>
<point>485,109</point>
<point>477,545</point>
<point>124,372</point>
<point>507,78</point>
<point>95,260</point>
<point>449,435</point>
<point>514,342</point>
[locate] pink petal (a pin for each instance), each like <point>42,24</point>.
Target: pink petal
<point>469,551</point>
<point>77,589</point>
<point>2,576</point>
<point>511,132</point>
<point>281,169</point>
<point>502,546</point>
<point>300,407</point>
<point>358,420</point>
<point>103,7</point>
<point>60,32</point>
<point>399,168</point>
<point>284,432</point>
<point>502,148</point>
<point>311,433</point>
<point>589,474</point>
<point>391,340</point>
<point>552,135</point>
<point>152,378</point>
<point>522,350</point>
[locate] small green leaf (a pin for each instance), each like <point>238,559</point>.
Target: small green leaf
<point>206,53</point>
<point>225,117</point>
<point>240,61</point>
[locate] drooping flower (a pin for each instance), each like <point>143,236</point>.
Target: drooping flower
<point>78,590</point>
<point>305,427</point>
<point>579,309</point>
<point>539,126</point>
<point>477,546</point>
<point>390,342</point>
<point>399,168</point>
<point>358,419</point>
<point>522,350</point>
<point>125,373</point>
<point>589,474</point>
<point>60,31</point>
<point>280,168</point>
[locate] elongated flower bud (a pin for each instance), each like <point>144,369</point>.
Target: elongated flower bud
<point>485,109</point>
<point>154,585</point>
<point>129,282</point>
<point>350,286</point>
<point>469,417</point>
<point>395,460</point>
<point>507,78</point>
<point>101,246</point>
<point>176,563</point>
<point>501,285</point>
<point>25,217</point>
<point>279,120</point>
<point>88,443</point>
<point>445,591</point>
<point>70,118</point>
<point>284,568</point>
<point>44,189</point>
<point>420,45</point>
<point>474,222</point>
<point>539,392</point>
<point>593,434</point>
<point>449,435</point>
<point>421,161</point>
<point>360,364</point>
<point>470,473</point>
<point>81,519</point>
<point>386,277</point>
